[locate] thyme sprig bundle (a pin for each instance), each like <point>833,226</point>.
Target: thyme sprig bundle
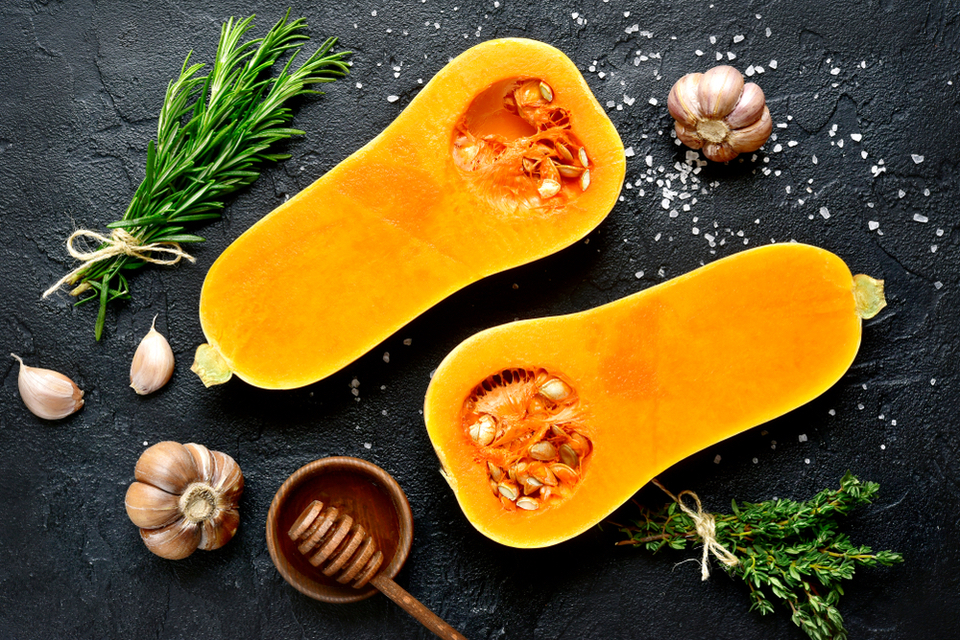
<point>787,551</point>
<point>213,132</point>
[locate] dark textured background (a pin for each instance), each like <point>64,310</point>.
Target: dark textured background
<point>80,88</point>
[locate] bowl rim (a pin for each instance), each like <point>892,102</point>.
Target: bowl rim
<point>306,584</point>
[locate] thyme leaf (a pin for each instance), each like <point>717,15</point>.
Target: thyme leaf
<point>791,552</point>
<point>213,133</point>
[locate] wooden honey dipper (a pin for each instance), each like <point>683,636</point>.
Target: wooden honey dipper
<point>340,547</point>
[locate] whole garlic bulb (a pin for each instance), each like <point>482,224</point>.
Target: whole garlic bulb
<point>715,111</point>
<point>48,394</point>
<point>152,363</point>
<point>184,498</point>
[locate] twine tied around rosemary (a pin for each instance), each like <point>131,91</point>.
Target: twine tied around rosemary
<point>119,242</point>
<point>706,529</point>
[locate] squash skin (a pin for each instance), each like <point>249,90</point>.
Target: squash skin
<point>661,374</point>
<point>394,229</point>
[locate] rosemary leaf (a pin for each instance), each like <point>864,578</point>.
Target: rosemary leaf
<point>788,551</point>
<point>213,133</point>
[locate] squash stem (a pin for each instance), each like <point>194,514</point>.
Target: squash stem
<point>868,294</point>
<point>210,366</point>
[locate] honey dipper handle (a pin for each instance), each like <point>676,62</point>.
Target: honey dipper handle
<point>415,608</point>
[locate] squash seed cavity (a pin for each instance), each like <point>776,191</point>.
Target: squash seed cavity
<point>527,427</point>
<point>518,144</point>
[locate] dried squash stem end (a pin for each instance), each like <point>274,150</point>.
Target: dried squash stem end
<point>210,366</point>
<point>868,294</point>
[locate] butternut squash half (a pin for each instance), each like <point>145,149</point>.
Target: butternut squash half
<point>504,157</point>
<point>544,427</point>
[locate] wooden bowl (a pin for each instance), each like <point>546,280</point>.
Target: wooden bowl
<point>360,488</point>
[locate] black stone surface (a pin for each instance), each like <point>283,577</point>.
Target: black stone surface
<point>80,89</point>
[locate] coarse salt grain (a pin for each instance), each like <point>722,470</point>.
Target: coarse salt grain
<point>824,212</point>
<point>392,98</point>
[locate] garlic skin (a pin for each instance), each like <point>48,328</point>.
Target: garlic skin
<point>152,363</point>
<point>48,394</point>
<point>716,112</point>
<point>184,498</point>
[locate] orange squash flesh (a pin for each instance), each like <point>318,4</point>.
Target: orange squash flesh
<point>399,225</point>
<point>660,374</point>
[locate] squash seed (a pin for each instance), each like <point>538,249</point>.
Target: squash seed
<point>554,389</point>
<point>496,473</point>
<point>569,171</point>
<point>530,485</point>
<point>546,92</point>
<point>582,154</point>
<point>568,456</point>
<point>483,430</point>
<point>508,490</point>
<point>565,473</point>
<point>543,450</point>
<point>549,188</point>
<point>564,152</point>
<point>528,504</point>
<point>585,179</point>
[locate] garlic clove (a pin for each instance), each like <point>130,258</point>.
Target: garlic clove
<point>688,135</point>
<point>217,531</point>
<point>721,152</point>
<point>206,463</point>
<point>173,542</point>
<point>749,109</point>
<point>48,394</point>
<point>228,479</point>
<point>168,466</point>
<point>752,138</point>
<point>719,91</point>
<point>682,102</point>
<point>150,507</point>
<point>152,363</point>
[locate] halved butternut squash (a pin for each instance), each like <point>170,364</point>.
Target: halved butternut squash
<point>504,157</point>
<point>544,427</point>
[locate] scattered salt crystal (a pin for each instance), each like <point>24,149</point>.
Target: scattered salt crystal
<point>933,381</point>
<point>882,447</point>
<point>933,248</point>
<point>719,56</point>
<point>386,356</point>
<point>832,412</point>
<point>873,225</point>
<point>916,158</point>
<point>407,342</point>
<point>713,39</point>
<point>777,148</point>
<point>769,33</point>
<point>806,460</point>
<point>815,161</point>
<point>773,63</point>
<point>653,101</point>
<point>359,86</point>
<point>698,52</point>
<point>731,55</point>
<point>716,460</point>
<point>738,38</point>
<point>755,461</point>
<point>649,161</point>
<point>901,193</point>
<point>368,445</point>
<point>824,212</point>
<point>938,285</point>
<point>856,137</point>
<point>627,100</point>
<point>695,231</point>
<point>792,143</point>
<point>392,98</point>
<point>750,71</point>
<point>835,71</point>
<point>638,274</point>
<point>802,437</point>
<point>629,152</point>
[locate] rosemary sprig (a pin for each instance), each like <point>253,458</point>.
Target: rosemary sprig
<point>213,132</point>
<point>787,551</point>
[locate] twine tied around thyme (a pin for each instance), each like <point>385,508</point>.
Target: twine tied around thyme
<point>119,242</point>
<point>706,529</point>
